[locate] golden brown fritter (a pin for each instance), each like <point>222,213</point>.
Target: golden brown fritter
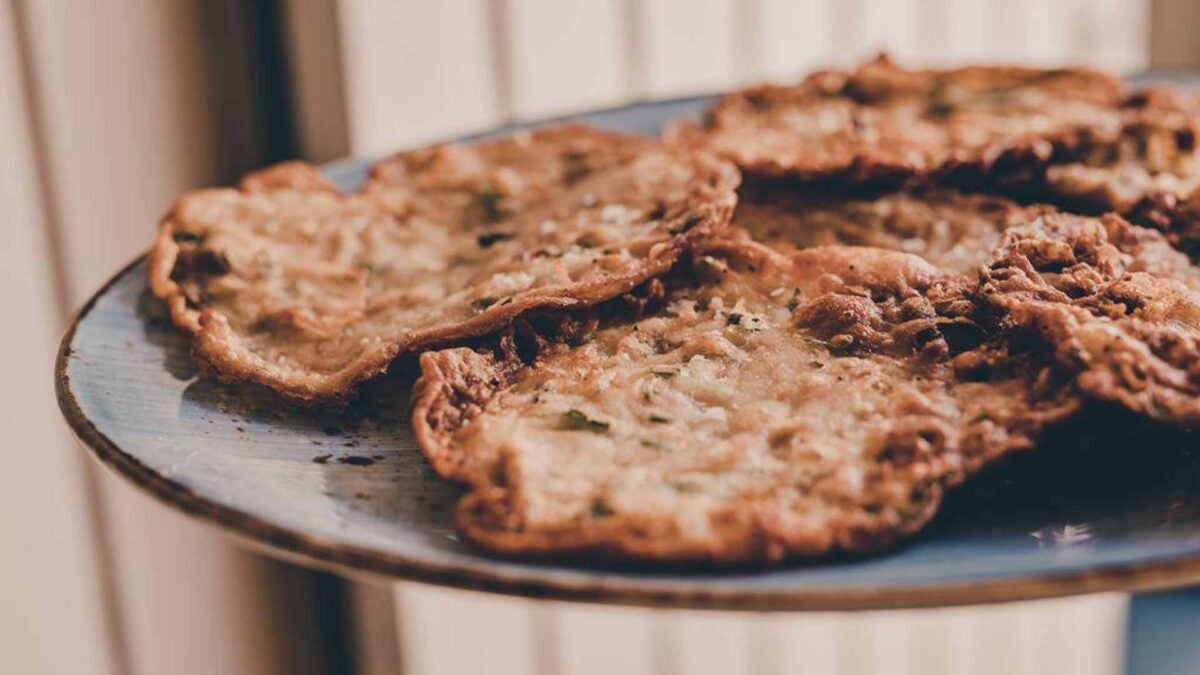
<point>1127,324</point>
<point>1156,155</point>
<point>883,122</point>
<point>956,232</point>
<point>754,407</point>
<point>288,283</point>
<point>1150,173</point>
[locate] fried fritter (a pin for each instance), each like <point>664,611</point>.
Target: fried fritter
<point>883,122</point>
<point>1127,323</point>
<point>1150,173</point>
<point>1155,158</point>
<point>956,232</point>
<point>753,407</point>
<point>288,283</point>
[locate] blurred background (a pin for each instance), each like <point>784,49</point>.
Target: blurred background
<point>109,109</point>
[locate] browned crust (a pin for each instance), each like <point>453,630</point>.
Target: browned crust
<point>878,162</point>
<point>339,557</point>
<point>1154,121</point>
<point>708,213</point>
<point>1132,337</point>
<point>456,384</point>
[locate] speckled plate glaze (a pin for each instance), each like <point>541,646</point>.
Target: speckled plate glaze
<point>1108,505</point>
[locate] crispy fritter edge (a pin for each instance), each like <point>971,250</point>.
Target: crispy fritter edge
<point>211,334</point>
<point>456,384</point>
<point>869,168</point>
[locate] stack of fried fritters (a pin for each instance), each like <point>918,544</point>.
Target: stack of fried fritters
<point>616,362</point>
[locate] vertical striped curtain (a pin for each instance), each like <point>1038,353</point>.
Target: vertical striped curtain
<point>109,109</point>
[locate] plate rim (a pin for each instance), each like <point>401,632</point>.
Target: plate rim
<point>356,561</point>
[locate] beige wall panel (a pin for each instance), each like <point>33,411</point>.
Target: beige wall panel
<point>416,71</point>
<point>448,632</point>
<point>1114,34</point>
<point>1174,25</point>
<point>887,26</point>
<point>688,46</point>
<point>52,619</point>
<point>192,602</point>
<point>952,31</point>
<point>599,640</point>
<point>711,643</point>
<point>793,37</point>
<point>128,119</point>
<point>318,92</point>
<point>564,56</point>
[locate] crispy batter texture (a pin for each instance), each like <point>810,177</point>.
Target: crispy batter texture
<point>758,407</point>
<point>288,283</point>
<point>956,232</point>
<point>1150,173</point>
<point>884,122</point>
<point>1125,318</point>
<point>1154,162</point>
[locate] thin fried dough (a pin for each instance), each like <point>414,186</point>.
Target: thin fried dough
<point>288,283</point>
<point>1155,160</point>
<point>754,407</point>
<point>1150,173</point>
<point>955,232</point>
<point>883,122</point>
<point>1127,324</point>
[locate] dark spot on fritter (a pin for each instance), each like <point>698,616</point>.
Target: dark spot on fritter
<point>488,238</point>
<point>356,460</point>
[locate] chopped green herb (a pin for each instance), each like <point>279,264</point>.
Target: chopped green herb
<point>489,203</point>
<point>651,444</point>
<point>577,421</point>
<point>816,364</point>
<point>733,319</point>
<point>486,239</point>
<point>659,419</point>
<point>688,223</point>
<point>484,302</point>
<point>601,509</point>
<point>794,302</point>
<point>211,262</point>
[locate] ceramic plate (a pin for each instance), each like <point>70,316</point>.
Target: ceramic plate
<point>1110,505</point>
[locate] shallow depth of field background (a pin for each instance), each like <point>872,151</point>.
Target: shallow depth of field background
<point>110,108</point>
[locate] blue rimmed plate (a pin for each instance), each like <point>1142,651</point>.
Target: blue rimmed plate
<point>1107,505</point>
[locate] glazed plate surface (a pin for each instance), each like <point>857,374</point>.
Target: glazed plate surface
<point>1108,505</point>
